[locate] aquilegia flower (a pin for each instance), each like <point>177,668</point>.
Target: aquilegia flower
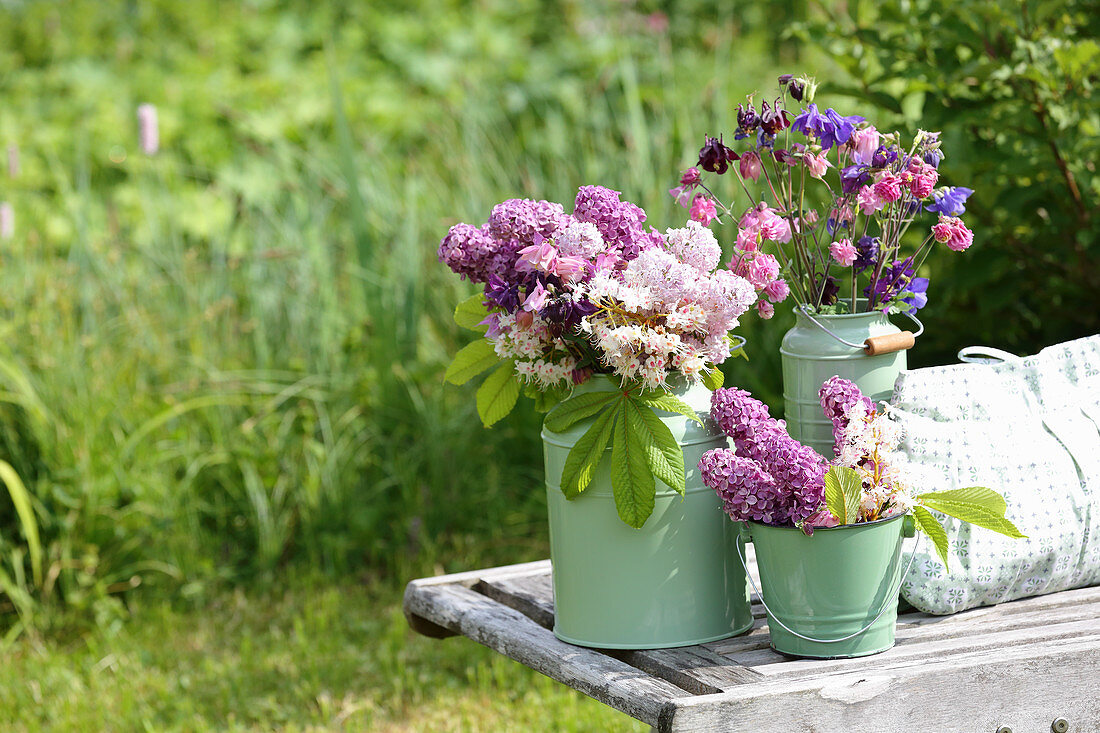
<point>950,201</point>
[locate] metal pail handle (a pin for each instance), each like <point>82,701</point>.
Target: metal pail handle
<point>875,345</point>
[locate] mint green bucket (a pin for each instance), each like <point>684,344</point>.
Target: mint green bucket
<point>833,594</point>
<point>819,347</point>
<point>674,582</point>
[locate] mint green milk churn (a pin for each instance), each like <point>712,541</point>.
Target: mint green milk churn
<point>674,582</point>
<point>823,346</point>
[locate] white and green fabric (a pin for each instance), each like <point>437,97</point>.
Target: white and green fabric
<point>1030,429</point>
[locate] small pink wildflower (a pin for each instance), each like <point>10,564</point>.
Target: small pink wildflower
<point>844,252</point>
<point>703,210</point>
<point>148,128</point>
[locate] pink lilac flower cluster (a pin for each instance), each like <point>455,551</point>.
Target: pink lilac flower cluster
<point>596,292</point>
<point>877,179</point>
<point>771,478</point>
<point>840,399</point>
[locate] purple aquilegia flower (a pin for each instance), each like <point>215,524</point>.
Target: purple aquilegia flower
<point>866,253</point>
<point>773,120</point>
<point>916,295</point>
<point>853,178</point>
<point>810,122</point>
<point>715,157</point>
<point>884,156</point>
<point>747,121</point>
<point>893,281</point>
<point>838,398</point>
<point>933,158</point>
<point>840,129</point>
<point>950,201</point>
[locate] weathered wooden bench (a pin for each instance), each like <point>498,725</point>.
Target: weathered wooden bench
<point>1031,665</point>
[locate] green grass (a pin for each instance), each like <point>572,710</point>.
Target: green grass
<point>313,655</point>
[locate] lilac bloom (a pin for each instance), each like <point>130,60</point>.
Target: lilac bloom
<point>950,201</point>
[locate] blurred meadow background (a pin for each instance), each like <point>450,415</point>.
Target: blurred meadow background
<point>226,440</point>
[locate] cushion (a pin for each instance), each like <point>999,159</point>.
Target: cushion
<point>1028,428</point>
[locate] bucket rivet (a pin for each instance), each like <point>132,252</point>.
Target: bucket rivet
<point>1060,725</point>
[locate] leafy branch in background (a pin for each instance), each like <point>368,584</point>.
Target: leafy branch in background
<point>1013,88</point>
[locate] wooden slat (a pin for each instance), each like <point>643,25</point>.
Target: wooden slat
<point>695,668</point>
<point>509,632</point>
<point>1024,687</point>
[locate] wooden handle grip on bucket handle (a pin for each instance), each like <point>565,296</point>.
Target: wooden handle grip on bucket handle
<point>888,344</point>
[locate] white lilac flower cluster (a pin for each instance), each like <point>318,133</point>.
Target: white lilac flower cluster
<point>668,309</point>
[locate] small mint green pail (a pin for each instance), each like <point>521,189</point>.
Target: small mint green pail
<point>819,347</point>
<point>674,582</point>
<point>835,593</point>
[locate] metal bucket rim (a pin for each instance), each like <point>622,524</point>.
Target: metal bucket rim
<point>830,529</point>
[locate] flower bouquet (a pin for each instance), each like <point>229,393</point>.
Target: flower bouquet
<point>839,203</point>
<point>616,330</point>
<point>828,533</point>
<point>843,197</point>
<point>568,298</point>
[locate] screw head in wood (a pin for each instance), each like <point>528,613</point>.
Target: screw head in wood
<point>1060,725</point>
<point>1004,729</point>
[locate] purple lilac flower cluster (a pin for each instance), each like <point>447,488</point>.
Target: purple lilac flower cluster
<point>771,478</point>
<point>838,397</point>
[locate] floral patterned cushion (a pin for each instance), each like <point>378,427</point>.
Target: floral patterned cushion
<point>1030,429</point>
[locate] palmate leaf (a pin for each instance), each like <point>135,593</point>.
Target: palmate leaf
<point>575,409</point>
<point>843,491</point>
<point>663,454</point>
<point>585,455</point>
<point>930,526</point>
<point>471,360</point>
<point>498,394</point>
<point>975,514</point>
<point>471,312</point>
<point>669,403</point>
<point>631,479</point>
<point>714,379</point>
<point>544,399</point>
<point>979,495</point>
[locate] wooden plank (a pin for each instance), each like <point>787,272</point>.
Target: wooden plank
<point>471,577</point>
<point>511,633</point>
<point>695,668</point>
<point>1024,687</point>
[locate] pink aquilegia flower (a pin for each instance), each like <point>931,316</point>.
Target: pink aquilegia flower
<point>862,145</point>
<point>844,252</point>
<point>869,200</point>
<point>763,269</point>
<point>536,299</point>
<point>703,210</point>
<point>148,129</point>
<point>921,178</point>
<point>748,240</point>
<point>765,309</point>
<point>568,268</point>
<point>951,231</point>
<point>686,190</point>
<point>816,164</point>
<point>888,187</point>
<point>539,256</point>
<point>774,227</point>
<point>749,166</point>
